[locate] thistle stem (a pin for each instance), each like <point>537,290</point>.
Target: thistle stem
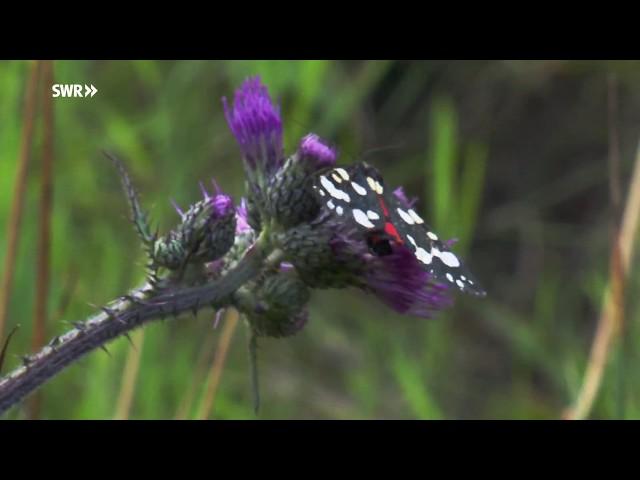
<point>253,366</point>
<point>121,317</point>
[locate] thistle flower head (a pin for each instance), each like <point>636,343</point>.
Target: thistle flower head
<point>205,233</point>
<point>289,201</point>
<point>399,282</point>
<point>315,152</point>
<point>255,122</point>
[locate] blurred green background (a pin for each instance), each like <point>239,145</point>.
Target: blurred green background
<point>508,156</point>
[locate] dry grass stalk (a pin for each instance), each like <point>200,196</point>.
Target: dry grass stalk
<point>215,373</point>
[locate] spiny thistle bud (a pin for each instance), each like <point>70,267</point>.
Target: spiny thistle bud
<point>276,305</point>
<point>206,232</point>
<point>289,200</point>
<point>311,248</point>
<point>245,236</point>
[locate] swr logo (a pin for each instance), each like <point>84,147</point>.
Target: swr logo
<point>72,90</point>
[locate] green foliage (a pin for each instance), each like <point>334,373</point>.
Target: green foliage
<point>455,187</point>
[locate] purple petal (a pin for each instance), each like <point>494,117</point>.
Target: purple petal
<point>312,148</point>
<point>242,224</point>
<point>255,122</point>
<point>400,282</point>
<point>177,207</point>
<point>402,197</point>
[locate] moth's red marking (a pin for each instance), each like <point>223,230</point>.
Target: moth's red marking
<point>391,230</point>
<point>383,206</point>
<point>389,227</point>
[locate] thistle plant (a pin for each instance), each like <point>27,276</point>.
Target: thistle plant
<point>304,224</point>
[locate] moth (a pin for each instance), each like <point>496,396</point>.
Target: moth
<point>357,194</point>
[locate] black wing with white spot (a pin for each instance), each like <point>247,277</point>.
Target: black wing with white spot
<point>352,193</point>
<point>357,194</point>
<point>432,253</point>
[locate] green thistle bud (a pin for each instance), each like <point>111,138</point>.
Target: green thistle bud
<point>275,307</point>
<point>169,252</point>
<point>323,254</point>
<point>289,200</point>
<point>206,233</point>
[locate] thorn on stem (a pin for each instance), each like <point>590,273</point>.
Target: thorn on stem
<point>130,341</point>
<point>79,325</point>
<point>6,345</point>
<point>110,312</point>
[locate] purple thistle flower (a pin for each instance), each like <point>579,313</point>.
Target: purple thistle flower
<point>255,122</point>
<point>399,282</point>
<point>396,279</point>
<point>314,150</point>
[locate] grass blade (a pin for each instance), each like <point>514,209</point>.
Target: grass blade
<point>20,185</point>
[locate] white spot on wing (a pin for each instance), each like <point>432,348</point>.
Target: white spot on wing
<point>343,173</point>
<point>372,183</point>
<point>379,188</point>
<point>362,218</point>
<point>417,218</point>
<point>330,204</point>
<point>336,178</point>
<point>413,242</point>
<point>449,259</point>
<point>450,277</point>
<point>432,236</point>
<point>422,255</point>
<point>321,192</point>
<point>333,191</point>
<point>459,283</point>
<point>373,215</point>
<point>405,216</point>
<point>360,190</point>
<point>339,210</point>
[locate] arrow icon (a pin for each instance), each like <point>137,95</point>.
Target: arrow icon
<point>90,91</point>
